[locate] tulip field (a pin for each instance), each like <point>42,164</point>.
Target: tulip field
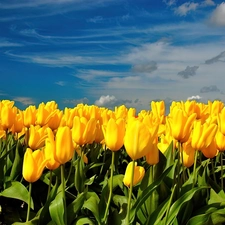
<point>99,166</point>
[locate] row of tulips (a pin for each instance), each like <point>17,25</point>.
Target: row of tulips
<point>87,146</point>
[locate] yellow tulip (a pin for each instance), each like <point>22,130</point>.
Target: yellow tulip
<point>83,130</point>
<point>220,141</point>
<point>181,124</point>
<point>55,119</point>
<point>152,157</point>
<point>33,165</point>
<point>159,110</point>
<point>137,139</point>
<point>36,137</point>
<point>45,112</point>
<point>29,116</point>
<point>18,126</point>
<point>7,116</point>
<point>221,121</point>
<point>114,132</point>
<point>64,145</point>
<point>49,151</point>
<point>202,134</point>
<point>188,154</point>
<point>211,151</point>
<point>139,173</point>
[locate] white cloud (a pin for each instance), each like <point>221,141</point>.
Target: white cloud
<point>24,100</point>
<point>194,97</point>
<point>208,3</point>
<point>218,16</point>
<point>170,2</point>
<point>60,83</point>
<point>183,9</point>
<point>106,100</point>
<point>7,43</point>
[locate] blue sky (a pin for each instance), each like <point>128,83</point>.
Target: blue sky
<point>111,52</point>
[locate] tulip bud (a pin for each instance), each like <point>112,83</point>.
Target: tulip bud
<point>139,173</point>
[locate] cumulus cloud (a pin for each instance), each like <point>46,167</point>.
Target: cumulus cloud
<point>105,100</point>
<point>188,72</point>
<point>216,58</point>
<point>211,88</point>
<point>194,97</point>
<point>183,9</point>
<point>145,68</point>
<point>218,15</point>
<point>110,101</point>
<point>24,100</point>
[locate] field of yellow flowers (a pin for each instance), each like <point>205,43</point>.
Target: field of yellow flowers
<point>93,165</point>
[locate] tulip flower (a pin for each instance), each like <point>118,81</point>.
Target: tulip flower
<point>33,165</point>
<point>55,119</point>
<point>7,116</point>
<point>137,139</point>
<point>18,126</point>
<point>211,151</point>
<point>45,112</point>
<point>188,154</point>
<point>49,151</point>
<point>202,134</point>
<point>181,124</point>
<point>152,157</point>
<point>221,121</point>
<point>114,132</point>
<point>220,141</point>
<point>64,145</point>
<point>83,130</point>
<point>36,137</point>
<point>158,110</point>
<point>139,173</point>
<point>29,116</point>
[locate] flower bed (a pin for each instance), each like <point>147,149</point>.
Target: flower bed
<point>93,165</point>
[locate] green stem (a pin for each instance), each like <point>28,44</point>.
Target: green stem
<point>63,192</point>
<point>170,203</point>
<point>152,196</point>
<point>110,187</point>
<point>213,170</point>
<point>221,161</point>
<point>50,183</point>
<point>194,170</point>
<point>29,202</point>
<point>130,194</point>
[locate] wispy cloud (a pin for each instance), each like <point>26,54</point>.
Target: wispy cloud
<point>8,43</point>
<point>218,58</point>
<point>24,100</point>
<point>194,97</point>
<point>188,72</point>
<point>218,16</point>
<point>211,88</point>
<point>145,68</point>
<point>60,83</point>
<point>185,8</point>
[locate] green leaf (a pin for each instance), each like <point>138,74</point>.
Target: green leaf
<point>74,207</point>
<point>16,190</point>
<point>16,169</point>
<point>200,220</point>
<point>147,192</point>
<point>178,204</point>
<point>56,209</point>
<point>84,220</point>
<point>92,205</point>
